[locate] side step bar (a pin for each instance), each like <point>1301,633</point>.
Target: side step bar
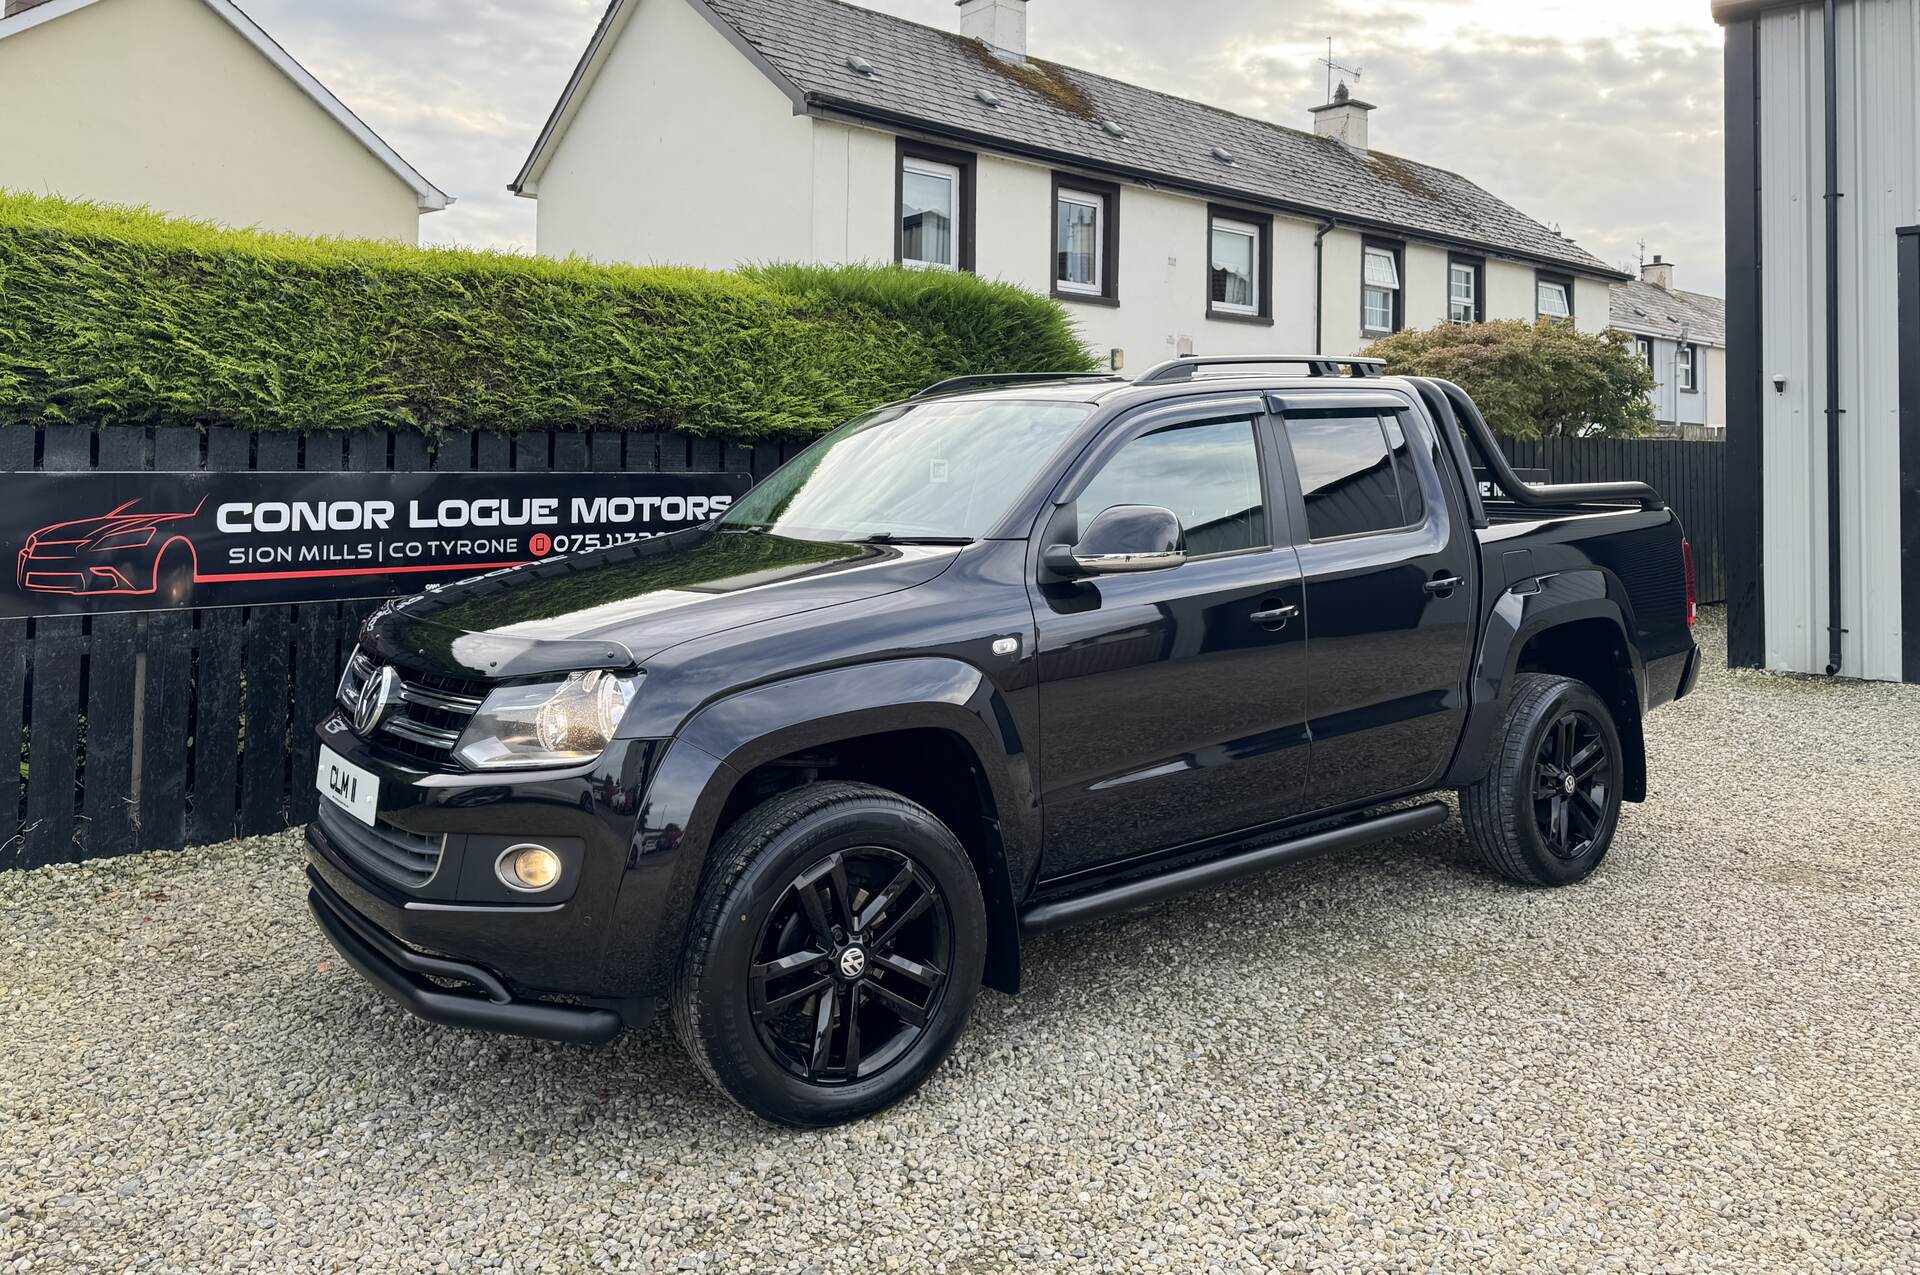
<point>1133,894</point>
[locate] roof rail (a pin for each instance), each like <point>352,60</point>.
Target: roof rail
<point>1182,369</point>
<point>961,384</point>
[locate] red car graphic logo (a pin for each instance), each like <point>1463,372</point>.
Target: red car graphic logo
<point>128,551</point>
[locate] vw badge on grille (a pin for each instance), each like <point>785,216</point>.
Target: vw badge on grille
<point>379,696</point>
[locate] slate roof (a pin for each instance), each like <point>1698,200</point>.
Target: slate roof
<point>1646,308</point>
<point>928,77</point>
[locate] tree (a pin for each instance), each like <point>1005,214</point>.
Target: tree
<point>1533,380</point>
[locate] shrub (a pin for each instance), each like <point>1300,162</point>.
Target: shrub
<point>1533,380</point>
<point>120,316</point>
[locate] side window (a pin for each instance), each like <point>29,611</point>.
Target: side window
<point>1413,504</point>
<point>1350,469</point>
<point>1207,473</point>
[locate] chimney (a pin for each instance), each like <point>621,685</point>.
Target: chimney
<point>1658,272</point>
<point>20,6</point>
<point>1344,118</point>
<point>1001,25</point>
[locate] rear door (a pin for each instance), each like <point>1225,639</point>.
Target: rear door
<point>1389,568</point>
<point>1172,703</point>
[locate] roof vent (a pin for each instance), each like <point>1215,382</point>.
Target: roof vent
<point>1113,127</point>
<point>1222,154</point>
<point>859,65</point>
<point>987,98</point>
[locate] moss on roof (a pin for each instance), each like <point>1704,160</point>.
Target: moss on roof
<point>1048,79</point>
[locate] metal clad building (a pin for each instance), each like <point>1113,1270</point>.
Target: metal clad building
<point>1823,257</point>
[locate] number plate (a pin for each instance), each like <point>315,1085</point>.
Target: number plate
<point>347,786</point>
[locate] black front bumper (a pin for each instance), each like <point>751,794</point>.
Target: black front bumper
<point>407,977</point>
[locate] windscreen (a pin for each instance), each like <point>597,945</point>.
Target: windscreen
<point>939,470</point>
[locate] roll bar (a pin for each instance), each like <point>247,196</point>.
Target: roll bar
<point>1457,410</point>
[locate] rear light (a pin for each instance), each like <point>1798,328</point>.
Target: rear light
<point>1693,594</point>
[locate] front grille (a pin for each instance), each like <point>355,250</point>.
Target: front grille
<point>435,709</point>
<point>392,854</point>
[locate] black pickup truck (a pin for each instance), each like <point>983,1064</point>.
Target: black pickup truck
<point>1012,654</point>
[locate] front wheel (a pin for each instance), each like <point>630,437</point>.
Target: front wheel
<point>835,956</point>
<point>1546,810</point>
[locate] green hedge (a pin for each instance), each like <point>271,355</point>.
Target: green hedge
<point>122,317</point>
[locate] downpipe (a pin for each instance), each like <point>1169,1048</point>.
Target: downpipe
<point>1835,598</point>
<point>1320,287</point>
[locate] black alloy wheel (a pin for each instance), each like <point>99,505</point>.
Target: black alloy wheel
<point>851,965</point>
<point>1545,811</point>
<point>834,954</point>
<point>1572,789</point>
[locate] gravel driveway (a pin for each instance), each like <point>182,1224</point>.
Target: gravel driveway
<point>1704,1059</point>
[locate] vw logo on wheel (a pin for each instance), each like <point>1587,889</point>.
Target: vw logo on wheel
<point>378,698</point>
<point>853,962</point>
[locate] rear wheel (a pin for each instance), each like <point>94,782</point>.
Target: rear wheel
<point>836,954</point>
<point>1546,810</point>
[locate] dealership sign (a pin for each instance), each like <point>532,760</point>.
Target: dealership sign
<point>91,542</point>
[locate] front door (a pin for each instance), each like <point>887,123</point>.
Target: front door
<point>1390,573</point>
<point>1172,703</point>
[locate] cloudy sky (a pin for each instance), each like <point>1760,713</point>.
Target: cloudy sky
<point>1600,117</point>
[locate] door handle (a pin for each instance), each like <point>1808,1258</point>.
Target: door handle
<point>1277,616</point>
<point>1445,585</point>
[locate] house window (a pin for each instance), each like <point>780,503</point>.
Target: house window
<point>1554,298</point>
<point>1380,292</point>
<point>1466,302</point>
<point>1688,365</point>
<point>1078,241</point>
<point>1085,240</point>
<point>1643,346</point>
<point>1238,265</point>
<point>935,209</point>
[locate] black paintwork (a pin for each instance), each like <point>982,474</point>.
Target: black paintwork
<point>1123,731</point>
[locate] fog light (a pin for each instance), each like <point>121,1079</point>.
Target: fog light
<point>528,869</point>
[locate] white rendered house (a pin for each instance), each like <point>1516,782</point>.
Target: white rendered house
<point>715,132</point>
<point>189,107</point>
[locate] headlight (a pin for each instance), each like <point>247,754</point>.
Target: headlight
<point>560,723</point>
<point>124,540</point>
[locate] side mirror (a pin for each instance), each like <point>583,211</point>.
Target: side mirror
<point>1125,538</point>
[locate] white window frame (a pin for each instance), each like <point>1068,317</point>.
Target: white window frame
<point>1368,289</point>
<point>1472,272</point>
<point>1687,368</point>
<point>1251,233</point>
<point>1644,347</point>
<point>1540,287</point>
<point>950,173</point>
<point>1086,199</point>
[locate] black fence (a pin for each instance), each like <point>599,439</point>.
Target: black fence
<point>158,730</point>
<point>1691,475</point>
<point>170,728</point>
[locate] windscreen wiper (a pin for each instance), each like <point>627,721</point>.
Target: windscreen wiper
<point>889,538</point>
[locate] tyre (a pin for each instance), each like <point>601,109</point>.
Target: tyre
<point>1546,810</point>
<point>834,957</point>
